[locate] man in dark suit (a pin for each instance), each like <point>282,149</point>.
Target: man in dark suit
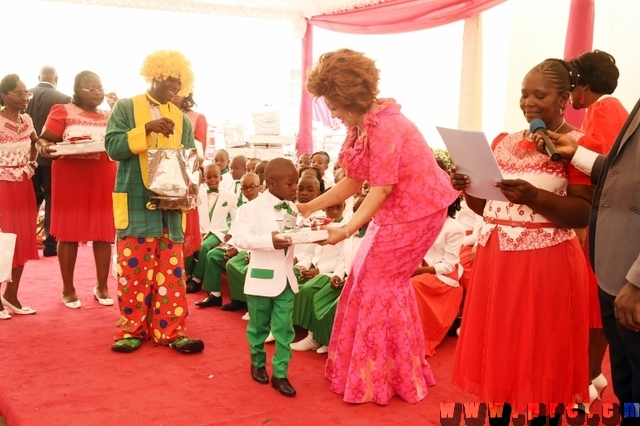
<point>45,96</point>
<point>614,230</point>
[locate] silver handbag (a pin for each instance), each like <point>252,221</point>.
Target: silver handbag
<point>174,178</point>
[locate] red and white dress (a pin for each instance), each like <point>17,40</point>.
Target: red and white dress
<point>524,335</point>
<point>18,212</point>
<point>602,123</point>
<point>81,185</point>
<point>199,124</point>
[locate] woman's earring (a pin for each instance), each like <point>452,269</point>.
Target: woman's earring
<point>351,114</point>
<point>561,109</point>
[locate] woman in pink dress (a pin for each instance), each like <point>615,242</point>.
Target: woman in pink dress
<point>82,186</point>
<point>17,199</point>
<point>525,330</point>
<point>377,345</point>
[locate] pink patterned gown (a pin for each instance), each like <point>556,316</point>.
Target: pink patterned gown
<point>377,344</point>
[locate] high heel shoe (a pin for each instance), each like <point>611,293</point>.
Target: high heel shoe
<point>4,315</point>
<point>593,395</point>
<point>600,383</point>
<point>107,301</point>
<point>72,305</point>
<point>25,310</point>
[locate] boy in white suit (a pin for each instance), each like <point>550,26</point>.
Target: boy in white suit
<point>217,205</point>
<point>270,282</point>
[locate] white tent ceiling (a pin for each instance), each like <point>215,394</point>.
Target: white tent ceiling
<point>271,9</point>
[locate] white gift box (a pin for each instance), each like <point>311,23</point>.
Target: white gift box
<point>77,148</point>
<point>265,117</point>
<point>305,236</point>
<point>233,135</point>
<point>267,128</point>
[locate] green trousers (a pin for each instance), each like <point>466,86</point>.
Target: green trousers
<point>271,313</point>
<point>213,269</point>
<point>303,300</point>
<point>207,244</point>
<point>237,268</point>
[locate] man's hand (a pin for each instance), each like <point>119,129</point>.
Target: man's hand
<point>163,126</point>
<point>564,143</point>
<point>627,307</point>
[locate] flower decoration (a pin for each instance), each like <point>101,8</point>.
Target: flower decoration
<point>163,64</point>
<point>443,155</point>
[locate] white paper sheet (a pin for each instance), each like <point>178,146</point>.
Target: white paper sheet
<point>472,154</point>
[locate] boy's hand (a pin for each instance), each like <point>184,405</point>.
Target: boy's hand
<point>307,274</point>
<point>336,281</point>
<point>279,243</point>
<point>231,252</point>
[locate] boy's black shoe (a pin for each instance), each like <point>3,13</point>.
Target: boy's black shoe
<point>210,300</point>
<point>283,386</point>
<point>193,286</point>
<point>234,305</point>
<point>259,374</point>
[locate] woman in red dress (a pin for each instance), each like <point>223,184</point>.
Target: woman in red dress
<point>604,118</point>
<point>17,199</point>
<point>524,336</point>
<point>81,206</point>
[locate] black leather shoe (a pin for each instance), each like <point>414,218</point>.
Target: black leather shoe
<point>259,374</point>
<point>193,287</point>
<point>210,300</point>
<point>283,386</point>
<point>234,305</point>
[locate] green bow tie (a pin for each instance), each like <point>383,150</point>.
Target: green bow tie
<point>209,191</point>
<point>283,206</point>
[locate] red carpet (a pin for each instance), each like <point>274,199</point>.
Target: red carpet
<point>58,369</point>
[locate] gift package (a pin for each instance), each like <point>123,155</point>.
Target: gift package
<point>303,230</point>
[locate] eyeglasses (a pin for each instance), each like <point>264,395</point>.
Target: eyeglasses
<point>93,90</point>
<point>249,188</point>
<point>27,95</point>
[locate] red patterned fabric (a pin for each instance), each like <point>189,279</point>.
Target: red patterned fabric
<point>81,186</point>
<point>15,145</point>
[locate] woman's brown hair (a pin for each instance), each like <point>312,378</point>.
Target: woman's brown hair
<point>345,78</point>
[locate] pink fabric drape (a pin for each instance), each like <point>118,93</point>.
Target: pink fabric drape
<point>392,16</point>
<point>305,137</point>
<point>399,16</point>
<point>579,40</point>
<point>321,113</point>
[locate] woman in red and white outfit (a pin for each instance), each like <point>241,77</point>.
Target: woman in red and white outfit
<point>17,199</point>
<point>603,121</point>
<point>81,206</point>
<point>192,238</point>
<point>524,333</point>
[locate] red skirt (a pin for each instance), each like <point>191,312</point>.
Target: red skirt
<point>438,304</point>
<point>81,203</point>
<point>595,317</point>
<point>192,238</point>
<point>524,335</point>
<point>467,264</point>
<point>18,215</point>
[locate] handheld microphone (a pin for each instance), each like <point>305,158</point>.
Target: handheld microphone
<point>538,127</point>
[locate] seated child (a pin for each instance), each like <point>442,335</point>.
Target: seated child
<point>436,283</point>
<point>219,256</point>
<point>260,171</point>
<point>321,160</point>
<point>238,168</point>
<point>270,283</point>
<point>304,160</point>
<point>251,164</point>
<point>316,267</point>
<point>325,300</point>
<point>221,159</point>
<point>216,205</point>
<point>312,171</point>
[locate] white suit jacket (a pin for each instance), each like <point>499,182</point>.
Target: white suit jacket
<point>227,182</point>
<point>226,205</point>
<point>269,269</point>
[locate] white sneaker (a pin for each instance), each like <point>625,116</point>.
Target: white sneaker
<point>246,317</point>
<point>270,338</point>
<point>306,344</point>
<point>323,349</point>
